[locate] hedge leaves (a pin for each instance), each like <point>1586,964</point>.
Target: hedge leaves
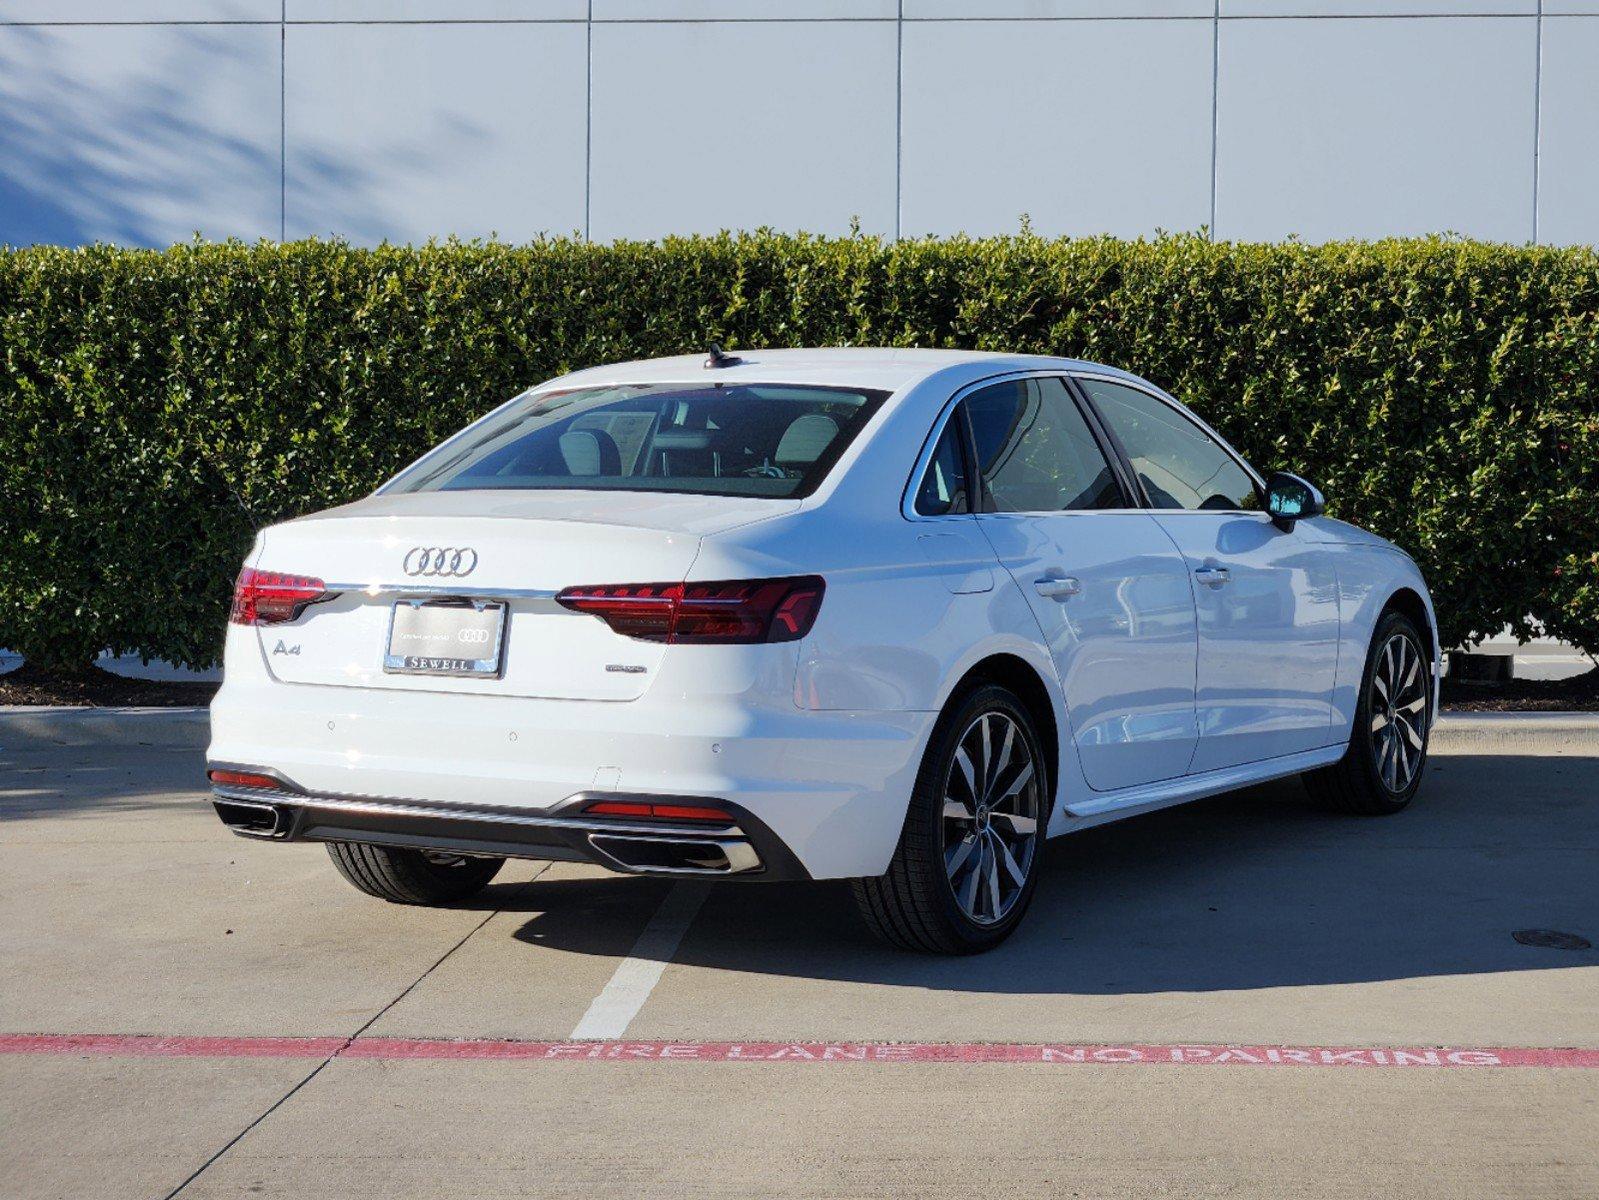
<point>158,407</point>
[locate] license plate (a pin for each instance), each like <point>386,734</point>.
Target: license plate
<point>427,637</point>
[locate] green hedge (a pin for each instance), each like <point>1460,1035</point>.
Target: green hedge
<point>158,407</point>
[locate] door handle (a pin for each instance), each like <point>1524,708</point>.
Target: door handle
<point>1213,576</point>
<point>1058,587</point>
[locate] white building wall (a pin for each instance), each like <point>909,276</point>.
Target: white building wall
<point>147,121</point>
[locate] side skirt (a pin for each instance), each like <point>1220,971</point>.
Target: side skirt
<point>1129,802</point>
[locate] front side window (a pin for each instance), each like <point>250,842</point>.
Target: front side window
<point>944,490</point>
<point>1179,464</point>
<point>747,439</point>
<point>1036,451</point>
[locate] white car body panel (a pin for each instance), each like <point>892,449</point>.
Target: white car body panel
<point>1268,637</point>
<point>821,739</point>
<point>1124,645</point>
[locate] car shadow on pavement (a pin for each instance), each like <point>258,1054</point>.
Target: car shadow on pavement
<point>1255,889</point>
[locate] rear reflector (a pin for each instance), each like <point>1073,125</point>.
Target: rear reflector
<point>247,779</point>
<point>269,597</point>
<point>657,812</point>
<point>729,612</point>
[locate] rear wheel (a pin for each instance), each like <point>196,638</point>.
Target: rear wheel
<point>1381,770</point>
<point>967,861</point>
<point>403,876</point>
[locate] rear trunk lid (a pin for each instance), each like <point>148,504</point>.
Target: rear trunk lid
<point>485,548</point>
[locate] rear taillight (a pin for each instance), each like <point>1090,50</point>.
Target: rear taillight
<point>731,612</point>
<point>268,597</point>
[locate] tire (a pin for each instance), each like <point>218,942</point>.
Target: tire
<point>412,876</point>
<point>1381,770</point>
<point>922,903</point>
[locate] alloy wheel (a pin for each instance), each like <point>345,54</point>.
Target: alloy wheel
<point>991,815</point>
<point>1398,705</point>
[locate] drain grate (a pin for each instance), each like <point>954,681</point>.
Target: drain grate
<point>1553,939</point>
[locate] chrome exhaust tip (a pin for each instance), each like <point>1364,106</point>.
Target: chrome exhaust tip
<point>253,818</point>
<point>659,854</point>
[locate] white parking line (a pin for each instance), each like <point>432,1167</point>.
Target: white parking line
<point>613,1010</point>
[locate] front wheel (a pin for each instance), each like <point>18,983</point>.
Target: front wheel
<point>403,876</point>
<point>967,861</point>
<point>1381,770</point>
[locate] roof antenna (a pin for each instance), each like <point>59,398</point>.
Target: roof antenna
<point>720,358</point>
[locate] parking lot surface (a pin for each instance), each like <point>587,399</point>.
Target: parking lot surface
<point>1245,997</point>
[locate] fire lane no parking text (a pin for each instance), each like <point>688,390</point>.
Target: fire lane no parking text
<point>146,1046</point>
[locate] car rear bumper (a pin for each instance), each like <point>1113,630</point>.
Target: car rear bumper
<point>744,846</point>
<point>814,794</point>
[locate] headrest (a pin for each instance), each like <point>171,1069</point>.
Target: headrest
<point>590,452</point>
<point>804,441</point>
<point>681,439</point>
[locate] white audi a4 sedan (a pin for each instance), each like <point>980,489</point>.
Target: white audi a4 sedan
<point>893,616</point>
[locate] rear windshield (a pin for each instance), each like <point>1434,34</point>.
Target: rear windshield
<point>748,439</point>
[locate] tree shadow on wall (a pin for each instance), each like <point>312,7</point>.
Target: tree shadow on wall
<point>137,134</point>
<point>149,134</point>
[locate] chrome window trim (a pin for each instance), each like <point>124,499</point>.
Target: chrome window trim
<point>924,460</point>
<point>930,446</point>
<point>1182,410</point>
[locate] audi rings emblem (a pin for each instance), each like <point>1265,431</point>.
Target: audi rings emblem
<point>454,561</point>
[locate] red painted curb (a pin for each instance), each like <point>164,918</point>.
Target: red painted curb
<point>389,1049</point>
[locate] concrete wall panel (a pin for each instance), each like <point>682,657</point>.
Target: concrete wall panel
<point>143,135</point>
<point>69,12</point>
<point>745,10</point>
<point>700,127</point>
<point>1568,188</point>
<point>407,132</point>
<point>1368,128</point>
<point>144,121</point>
<point>436,10</point>
<point>1054,9</point>
<point>1086,126</point>
<point>1378,8</point>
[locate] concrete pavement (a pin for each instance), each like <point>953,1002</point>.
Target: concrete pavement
<point>1253,919</point>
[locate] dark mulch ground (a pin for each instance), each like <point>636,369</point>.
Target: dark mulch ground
<point>1579,693</point>
<point>93,688</point>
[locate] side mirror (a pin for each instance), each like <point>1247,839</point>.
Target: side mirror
<point>1290,498</point>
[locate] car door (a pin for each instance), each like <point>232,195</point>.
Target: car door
<point>1266,598</point>
<point>1109,591</point>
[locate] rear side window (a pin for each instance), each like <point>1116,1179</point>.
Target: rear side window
<point>1179,464</point>
<point>748,439</point>
<point>944,489</point>
<point>1036,451</point>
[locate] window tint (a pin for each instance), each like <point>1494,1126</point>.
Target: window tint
<point>746,439</point>
<point>1179,464</point>
<point>944,489</point>
<point>1035,449</point>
